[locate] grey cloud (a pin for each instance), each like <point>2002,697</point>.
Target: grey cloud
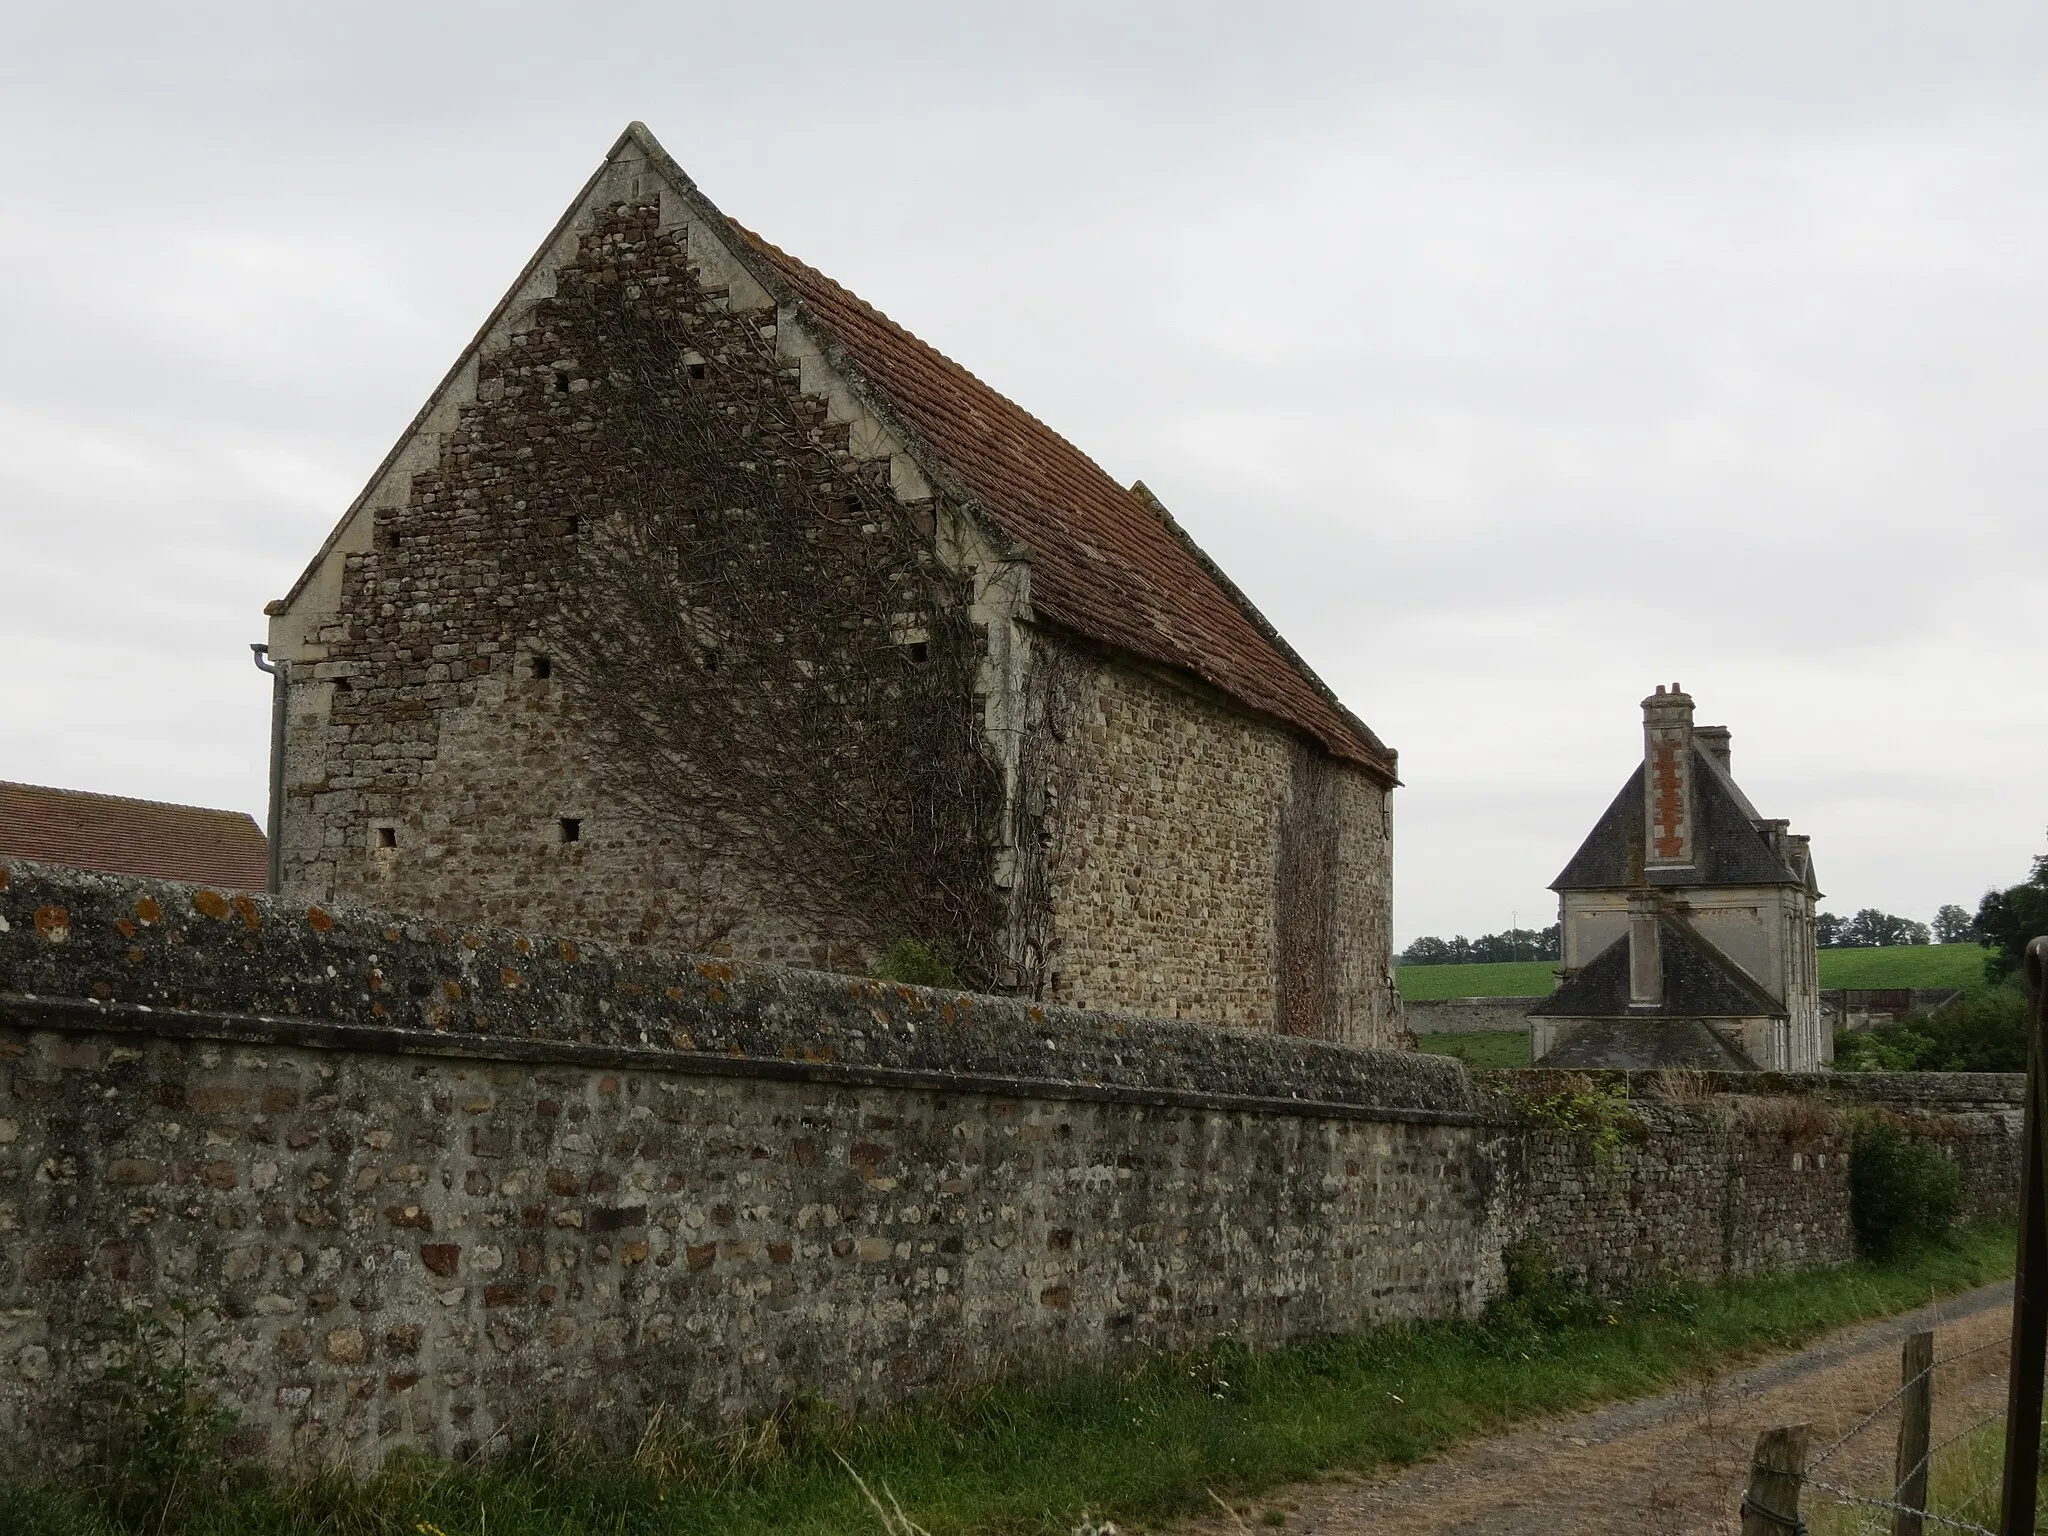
<point>1512,356</point>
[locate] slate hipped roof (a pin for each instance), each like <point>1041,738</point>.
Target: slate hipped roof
<point>133,837</point>
<point>1107,563</point>
<point>1728,848</point>
<point>1699,982</point>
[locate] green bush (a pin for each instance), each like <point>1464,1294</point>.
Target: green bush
<point>1903,1193</point>
<point>916,964</point>
<point>1539,1297</point>
<point>1985,1032</point>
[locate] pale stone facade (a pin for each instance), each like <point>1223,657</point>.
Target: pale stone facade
<point>1181,820</point>
<point>1688,921</point>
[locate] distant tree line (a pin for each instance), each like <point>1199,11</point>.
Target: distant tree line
<point>2004,922</point>
<point>1870,929</point>
<point>1509,944</point>
<point>2007,919</point>
<point>1989,1028</point>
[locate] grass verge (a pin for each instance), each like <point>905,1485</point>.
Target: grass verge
<point>1138,1446</point>
<point>1480,1047</point>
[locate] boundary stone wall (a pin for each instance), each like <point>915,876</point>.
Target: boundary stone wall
<point>1469,1015</point>
<point>423,1183</point>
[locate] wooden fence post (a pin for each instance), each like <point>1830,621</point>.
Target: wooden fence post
<point>1776,1468</point>
<point>1916,1433</point>
<point>2029,1365</point>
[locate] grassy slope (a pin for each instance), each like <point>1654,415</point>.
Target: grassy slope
<point>1508,978</point>
<point>1923,965</point>
<point>1137,1446</point>
<point>1481,1047</point>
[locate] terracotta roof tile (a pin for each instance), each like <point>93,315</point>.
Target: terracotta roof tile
<point>1106,562</point>
<point>133,837</point>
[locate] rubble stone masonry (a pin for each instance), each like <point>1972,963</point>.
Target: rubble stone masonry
<point>1174,885</point>
<point>425,1183</point>
<point>1206,862</point>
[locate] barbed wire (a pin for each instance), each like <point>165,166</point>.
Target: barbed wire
<point>1905,1386</point>
<point>1974,1349</point>
<point>1875,1519</point>
<point>1865,1422</point>
<point>1851,1497</point>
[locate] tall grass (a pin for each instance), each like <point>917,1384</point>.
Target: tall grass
<point>1136,1445</point>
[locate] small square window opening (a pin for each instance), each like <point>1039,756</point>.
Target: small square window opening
<point>572,829</point>
<point>543,667</point>
<point>387,837</point>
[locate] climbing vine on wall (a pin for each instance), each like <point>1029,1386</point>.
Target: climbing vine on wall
<point>774,661</point>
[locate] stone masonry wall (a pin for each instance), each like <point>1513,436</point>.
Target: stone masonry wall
<point>1726,1174</point>
<point>434,762</point>
<point>1468,1015</point>
<point>421,1180</point>
<point>430,765</point>
<point>1166,865</point>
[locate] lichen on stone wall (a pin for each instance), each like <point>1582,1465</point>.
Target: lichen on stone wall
<point>416,1179</point>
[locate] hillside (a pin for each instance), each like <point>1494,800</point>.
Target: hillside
<point>1922,965</point>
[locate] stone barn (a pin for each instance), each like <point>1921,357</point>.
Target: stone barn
<point>703,607</point>
<point>1687,921</point>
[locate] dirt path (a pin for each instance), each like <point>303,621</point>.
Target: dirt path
<point>1672,1465</point>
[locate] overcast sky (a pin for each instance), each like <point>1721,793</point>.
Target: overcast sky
<point>1514,358</point>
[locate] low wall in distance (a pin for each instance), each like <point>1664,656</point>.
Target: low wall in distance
<point>1736,1173</point>
<point>419,1181</point>
<point>1468,1015</point>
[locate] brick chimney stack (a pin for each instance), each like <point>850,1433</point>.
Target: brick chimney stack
<point>1713,739</point>
<point>1667,780</point>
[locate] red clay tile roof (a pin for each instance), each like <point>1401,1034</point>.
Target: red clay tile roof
<point>1104,563</point>
<point>133,837</point>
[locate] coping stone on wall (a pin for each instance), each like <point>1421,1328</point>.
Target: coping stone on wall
<point>120,952</point>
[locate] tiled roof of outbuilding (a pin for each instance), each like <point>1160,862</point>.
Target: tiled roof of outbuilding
<point>1106,562</point>
<point>133,837</point>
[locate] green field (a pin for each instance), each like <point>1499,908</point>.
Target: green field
<point>1922,965</point>
<point>1480,1047</point>
<point>1508,978</point>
